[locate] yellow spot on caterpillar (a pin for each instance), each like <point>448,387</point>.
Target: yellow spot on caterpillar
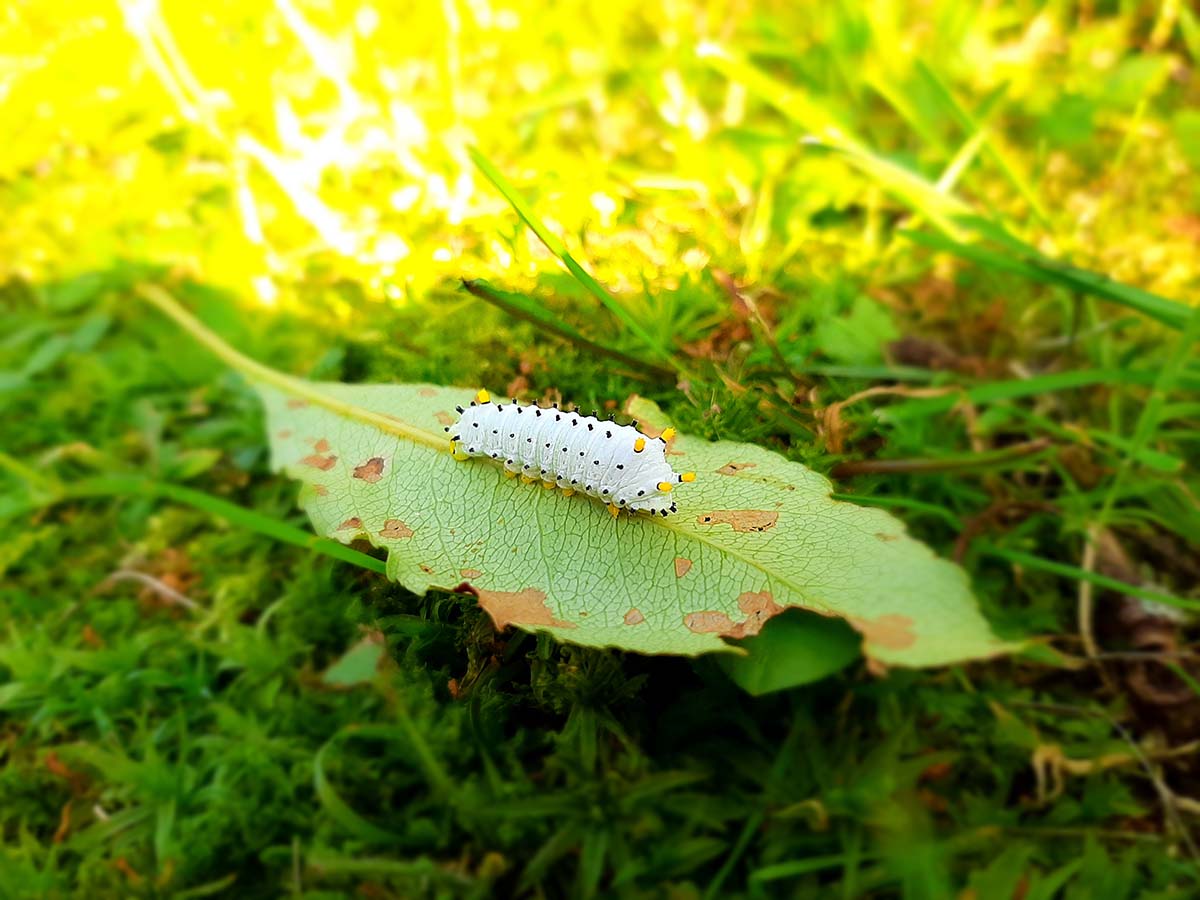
<point>665,486</point>
<point>483,396</point>
<point>568,492</point>
<point>549,485</point>
<point>525,479</point>
<point>452,450</point>
<point>668,434</point>
<point>612,508</point>
<point>639,445</point>
<point>508,474</point>
<point>688,476</point>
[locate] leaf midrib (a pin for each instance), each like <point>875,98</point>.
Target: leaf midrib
<point>256,371</point>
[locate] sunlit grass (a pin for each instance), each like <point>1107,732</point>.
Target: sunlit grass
<point>291,137</point>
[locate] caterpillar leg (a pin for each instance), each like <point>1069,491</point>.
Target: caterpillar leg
<point>612,508</point>
<point>457,453</point>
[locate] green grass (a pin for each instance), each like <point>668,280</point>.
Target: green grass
<point>1015,207</point>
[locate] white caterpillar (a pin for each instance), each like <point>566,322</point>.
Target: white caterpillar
<point>616,464</point>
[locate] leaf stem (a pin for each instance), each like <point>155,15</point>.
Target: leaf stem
<point>256,371</point>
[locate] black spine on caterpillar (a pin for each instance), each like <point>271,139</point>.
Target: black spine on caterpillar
<point>616,464</point>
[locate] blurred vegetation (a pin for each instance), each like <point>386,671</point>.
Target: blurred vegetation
<point>985,214</point>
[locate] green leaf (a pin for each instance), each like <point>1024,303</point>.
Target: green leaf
<point>793,649</point>
<point>755,534</point>
<point>856,338</point>
<point>357,665</point>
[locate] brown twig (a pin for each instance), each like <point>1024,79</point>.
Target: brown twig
<point>166,592</point>
<point>831,416</point>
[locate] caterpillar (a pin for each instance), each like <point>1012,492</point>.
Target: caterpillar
<point>616,464</point>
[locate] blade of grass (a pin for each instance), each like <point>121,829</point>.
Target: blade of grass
<point>948,213</point>
<point>521,307</point>
<point>1075,573</point>
<point>559,249</point>
<point>1189,27</point>
<point>136,486</point>
<point>1033,265</point>
<point>961,462</point>
<point>917,506</point>
<point>796,104</point>
<point>962,160</point>
<point>421,867</point>
<point>791,869</point>
<point>914,190</point>
<point>869,373</point>
<point>823,129</point>
<point>1147,456</point>
<point>973,127</point>
<point>1169,375</point>
<point>994,391</point>
<point>338,809</point>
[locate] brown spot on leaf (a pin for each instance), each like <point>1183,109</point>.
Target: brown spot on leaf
<point>427,392</point>
<point>297,403</point>
<point>634,617</point>
<point>893,631</point>
<point>758,607</point>
<point>884,536</point>
<point>426,569</point>
<point>741,519</point>
<point>352,522</point>
<point>444,417</point>
<point>470,573</point>
<point>682,566</point>
<point>321,446</point>
<point>395,529</point>
<point>370,471</point>
<point>524,607</point>
<point>708,621</point>
<point>284,435</point>
<point>324,463</point>
<point>732,468</point>
<point>320,490</point>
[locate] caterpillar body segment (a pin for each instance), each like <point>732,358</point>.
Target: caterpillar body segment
<point>615,464</point>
